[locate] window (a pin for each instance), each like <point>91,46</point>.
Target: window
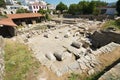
<point>11,12</point>
<point>34,7</point>
<point>39,7</point>
<point>5,12</point>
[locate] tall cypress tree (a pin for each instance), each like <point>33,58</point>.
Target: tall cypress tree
<point>118,7</point>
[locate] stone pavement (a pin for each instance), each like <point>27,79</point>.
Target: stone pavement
<point>53,48</point>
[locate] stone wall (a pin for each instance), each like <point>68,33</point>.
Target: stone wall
<point>1,58</point>
<point>102,38</point>
<point>91,17</point>
<point>112,74</point>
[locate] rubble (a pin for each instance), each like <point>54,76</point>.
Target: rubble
<point>46,35</point>
<point>67,35</point>
<point>67,48</point>
<point>90,72</point>
<point>56,37</point>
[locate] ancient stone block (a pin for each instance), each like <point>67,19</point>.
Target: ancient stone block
<point>50,56</point>
<point>76,44</point>
<point>58,56</point>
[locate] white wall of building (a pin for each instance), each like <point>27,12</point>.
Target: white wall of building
<point>16,7</point>
<point>36,8</point>
<point>27,2</point>
<point>8,11</point>
<point>111,11</point>
<point>11,1</point>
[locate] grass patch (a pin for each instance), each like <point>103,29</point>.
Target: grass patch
<point>43,27</point>
<point>19,61</point>
<point>112,23</point>
<point>74,76</point>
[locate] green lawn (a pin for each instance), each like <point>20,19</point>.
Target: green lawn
<point>112,23</point>
<point>19,62</point>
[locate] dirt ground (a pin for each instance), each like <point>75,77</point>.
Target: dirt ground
<point>46,74</point>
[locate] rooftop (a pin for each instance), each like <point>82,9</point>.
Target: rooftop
<point>7,22</point>
<point>24,15</point>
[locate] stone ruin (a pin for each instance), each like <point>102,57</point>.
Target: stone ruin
<point>69,48</point>
<point>1,58</point>
<point>102,38</point>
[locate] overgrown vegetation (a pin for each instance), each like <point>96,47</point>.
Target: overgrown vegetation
<point>61,7</point>
<point>2,3</point>
<point>74,76</point>
<point>46,13</point>
<point>118,7</point>
<point>22,10</point>
<point>112,24</point>
<point>86,7</point>
<point>19,63</point>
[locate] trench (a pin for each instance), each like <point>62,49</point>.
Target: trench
<point>96,77</point>
<point>7,31</point>
<point>102,38</point>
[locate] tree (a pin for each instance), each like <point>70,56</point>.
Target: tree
<point>73,9</point>
<point>19,3</point>
<point>118,7</point>
<point>21,10</point>
<point>100,3</point>
<point>2,3</point>
<point>45,12</point>
<point>61,7</point>
<point>42,11</point>
<point>96,11</point>
<point>91,7</point>
<point>83,7</point>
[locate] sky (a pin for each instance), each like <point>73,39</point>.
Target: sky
<point>68,2</point>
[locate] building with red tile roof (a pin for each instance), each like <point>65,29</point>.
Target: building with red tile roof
<point>9,24</point>
<point>24,15</point>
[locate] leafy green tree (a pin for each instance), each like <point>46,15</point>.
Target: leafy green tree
<point>83,7</point>
<point>42,11</point>
<point>21,10</point>
<point>73,9</point>
<point>86,7</point>
<point>45,12</point>
<point>19,3</point>
<point>118,7</point>
<point>100,3</point>
<point>91,7</point>
<point>61,7</point>
<point>96,11</point>
<point>2,3</point>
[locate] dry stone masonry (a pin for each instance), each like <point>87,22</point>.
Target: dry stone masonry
<point>113,74</point>
<point>67,48</point>
<point>1,58</point>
